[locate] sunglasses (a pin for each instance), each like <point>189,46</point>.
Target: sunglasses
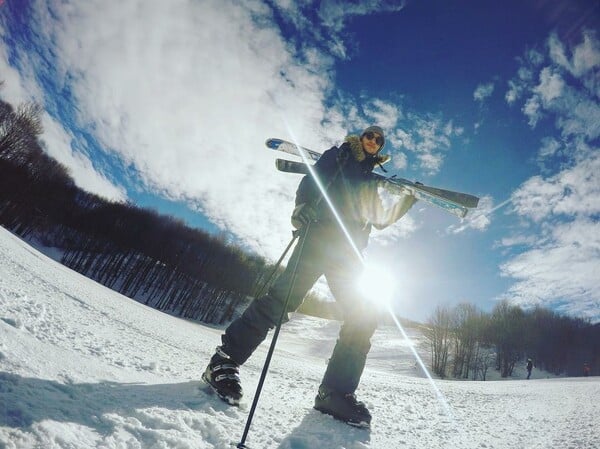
<point>371,135</point>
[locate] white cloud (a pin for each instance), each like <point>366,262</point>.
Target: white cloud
<point>578,115</point>
<point>398,231</point>
<point>335,13</point>
<point>401,138</point>
<point>534,58</point>
<point>427,139</point>
<point>549,147</point>
<point>550,87</point>
<point>581,188</point>
<point>185,93</point>
<point>518,85</point>
<point>557,51</point>
<point>516,240</point>
<point>532,109</point>
<point>584,58</point>
<point>587,55</point>
<point>58,145</point>
<point>13,89</point>
<point>574,191</point>
<point>561,270</point>
<point>400,161</point>
<point>383,113</point>
<point>535,198</point>
<point>450,130</point>
<point>483,91</point>
<point>21,86</point>
<point>332,16</point>
<point>560,259</point>
<point>477,219</point>
<point>578,109</point>
<point>513,92</point>
<point>431,162</point>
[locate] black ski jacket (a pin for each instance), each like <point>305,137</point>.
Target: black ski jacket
<point>351,187</point>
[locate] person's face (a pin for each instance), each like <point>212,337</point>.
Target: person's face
<point>371,142</point>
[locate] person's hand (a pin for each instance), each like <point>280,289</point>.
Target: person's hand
<point>343,156</point>
<point>303,214</point>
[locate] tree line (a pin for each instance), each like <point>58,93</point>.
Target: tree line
<point>466,342</point>
<point>153,258</point>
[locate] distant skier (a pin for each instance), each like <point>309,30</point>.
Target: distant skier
<point>586,369</point>
<point>529,368</point>
<point>346,173</point>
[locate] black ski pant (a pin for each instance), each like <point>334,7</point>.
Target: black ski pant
<point>325,250</point>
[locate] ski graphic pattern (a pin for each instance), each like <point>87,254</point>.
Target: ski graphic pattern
<point>290,148</point>
<point>456,203</point>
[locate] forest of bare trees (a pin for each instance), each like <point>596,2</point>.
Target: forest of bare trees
<point>153,258</point>
<point>466,342</point>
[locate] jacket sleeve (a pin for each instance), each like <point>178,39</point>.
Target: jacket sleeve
<point>379,212</point>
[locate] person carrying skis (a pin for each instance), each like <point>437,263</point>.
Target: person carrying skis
<point>346,174</point>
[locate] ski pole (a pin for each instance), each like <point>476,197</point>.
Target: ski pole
<point>263,374</point>
<point>295,235</point>
<point>261,290</point>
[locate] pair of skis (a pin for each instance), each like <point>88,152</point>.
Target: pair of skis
<point>456,203</point>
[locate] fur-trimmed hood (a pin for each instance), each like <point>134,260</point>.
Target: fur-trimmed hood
<point>360,155</point>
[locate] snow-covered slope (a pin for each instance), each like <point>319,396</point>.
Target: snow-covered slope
<point>84,367</point>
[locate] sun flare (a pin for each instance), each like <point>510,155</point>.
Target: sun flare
<point>377,284</point>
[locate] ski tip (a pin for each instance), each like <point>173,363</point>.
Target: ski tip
<point>273,143</point>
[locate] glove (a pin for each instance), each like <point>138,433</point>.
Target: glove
<point>303,214</point>
<point>343,156</point>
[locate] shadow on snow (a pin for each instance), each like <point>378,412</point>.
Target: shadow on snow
<point>24,401</point>
<point>324,431</point>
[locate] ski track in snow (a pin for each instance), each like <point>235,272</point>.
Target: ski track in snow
<point>84,367</point>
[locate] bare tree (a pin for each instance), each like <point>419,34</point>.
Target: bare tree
<point>439,335</point>
<point>465,327</point>
<point>507,333</point>
<point>19,130</point>
<point>483,360</point>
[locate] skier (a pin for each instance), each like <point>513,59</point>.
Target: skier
<point>586,369</point>
<point>346,173</point>
<point>529,368</point>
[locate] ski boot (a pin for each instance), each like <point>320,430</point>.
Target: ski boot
<point>342,406</point>
<point>222,375</point>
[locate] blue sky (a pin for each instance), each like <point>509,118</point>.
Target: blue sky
<point>168,104</point>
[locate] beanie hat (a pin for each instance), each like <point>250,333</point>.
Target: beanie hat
<point>375,129</point>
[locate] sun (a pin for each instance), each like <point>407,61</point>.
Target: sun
<point>377,284</point>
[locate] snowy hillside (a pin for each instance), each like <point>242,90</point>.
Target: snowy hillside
<point>84,367</point>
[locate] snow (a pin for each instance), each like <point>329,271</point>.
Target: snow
<point>84,367</point>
